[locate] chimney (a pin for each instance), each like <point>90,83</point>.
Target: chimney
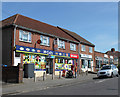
<point>112,49</point>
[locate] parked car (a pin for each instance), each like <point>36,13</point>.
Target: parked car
<point>108,71</point>
<point>69,74</point>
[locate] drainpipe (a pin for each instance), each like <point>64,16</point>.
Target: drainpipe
<point>14,43</point>
<point>15,34</point>
<point>79,59</point>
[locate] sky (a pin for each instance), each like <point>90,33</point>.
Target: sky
<point>97,22</point>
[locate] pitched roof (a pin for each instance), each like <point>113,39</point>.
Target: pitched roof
<point>36,25</point>
<point>77,37</point>
<point>115,53</point>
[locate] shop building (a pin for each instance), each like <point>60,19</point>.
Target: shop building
<point>102,59</point>
<point>115,55</point>
<point>57,50</point>
<point>86,59</point>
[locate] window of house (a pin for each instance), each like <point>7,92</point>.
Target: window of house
<point>61,44</point>
<point>90,49</point>
<point>44,40</point>
<point>72,46</point>
<point>24,36</point>
<point>83,48</point>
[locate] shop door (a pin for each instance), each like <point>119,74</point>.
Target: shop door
<point>49,66</point>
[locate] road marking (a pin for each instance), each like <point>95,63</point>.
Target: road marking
<point>102,80</point>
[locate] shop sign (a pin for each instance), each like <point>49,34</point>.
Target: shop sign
<point>105,55</point>
<point>98,58</point>
<point>42,51</point>
<point>86,56</point>
<point>62,54</point>
<point>74,56</point>
<point>33,50</point>
<point>111,57</point>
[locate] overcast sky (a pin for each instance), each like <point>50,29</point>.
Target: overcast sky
<point>96,22</point>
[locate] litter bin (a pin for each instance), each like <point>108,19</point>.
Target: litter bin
<point>29,70</point>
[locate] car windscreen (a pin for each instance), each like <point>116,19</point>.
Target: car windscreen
<point>106,67</point>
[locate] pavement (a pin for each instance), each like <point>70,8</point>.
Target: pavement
<point>29,84</point>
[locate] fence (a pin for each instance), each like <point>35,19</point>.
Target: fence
<point>12,74</point>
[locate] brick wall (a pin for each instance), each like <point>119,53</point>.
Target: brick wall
<point>12,74</point>
<point>7,46</point>
<point>88,53</point>
<point>36,36</point>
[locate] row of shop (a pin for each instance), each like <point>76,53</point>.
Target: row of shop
<point>46,60</point>
<point>51,61</point>
<point>103,59</point>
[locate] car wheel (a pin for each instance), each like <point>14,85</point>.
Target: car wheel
<point>112,75</point>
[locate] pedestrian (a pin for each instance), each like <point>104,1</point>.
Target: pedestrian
<point>75,71</point>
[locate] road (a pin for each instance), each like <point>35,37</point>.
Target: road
<point>105,86</point>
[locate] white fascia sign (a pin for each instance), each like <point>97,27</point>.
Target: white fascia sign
<point>105,55</point>
<point>86,56</point>
<point>111,57</point>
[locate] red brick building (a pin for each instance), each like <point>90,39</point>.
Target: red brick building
<point>86,51</point>
<point>115,54</point>
<point>103,59</point>
<point>59,48</point>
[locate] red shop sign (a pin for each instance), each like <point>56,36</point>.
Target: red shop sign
<point>74,56</point>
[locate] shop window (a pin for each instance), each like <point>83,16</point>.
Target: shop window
<point>90,49</point>
<point>89,64</point>
<point>72,46</point>
<point>83,63</point>
<point>83,48</point>
<point>44,40</point>
<point>70,61</point>
<point>24,36</point>
<point>61,61</point>
<point>61,44</point>
<point>97,64</point>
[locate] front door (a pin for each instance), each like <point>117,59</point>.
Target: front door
<point>49,66</point>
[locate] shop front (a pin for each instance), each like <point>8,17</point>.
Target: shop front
<point>86,62</point>
<point>46,60</point>
<point>65,63</point>
<point>105,60</point>
<point>98,62</point>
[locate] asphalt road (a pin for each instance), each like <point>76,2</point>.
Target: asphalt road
<point>105,86</point>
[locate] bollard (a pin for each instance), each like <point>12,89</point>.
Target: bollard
<point>87,72</point>
<point>43,76</point>
<point>52,76</point>
<point>34,77</point>
<point>59,74</point>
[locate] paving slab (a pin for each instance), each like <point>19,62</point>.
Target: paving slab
<point>29,84</point>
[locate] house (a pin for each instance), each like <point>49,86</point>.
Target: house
<point>115,54</point>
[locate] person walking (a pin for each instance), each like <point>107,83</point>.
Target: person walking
<point>75,71</point>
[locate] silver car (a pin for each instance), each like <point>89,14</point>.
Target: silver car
<point>108,71</point>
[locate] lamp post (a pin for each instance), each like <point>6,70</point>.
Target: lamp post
<point>37,42</point>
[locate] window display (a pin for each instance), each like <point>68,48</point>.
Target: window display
<point>63,64</point>
<point>38,60</point>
